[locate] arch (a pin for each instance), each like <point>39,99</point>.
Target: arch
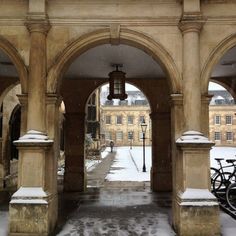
<point>15,57</point>
<point>14,130</point>
<point>214,58</point>
<point>129,37</point>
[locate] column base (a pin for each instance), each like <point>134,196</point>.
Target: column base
<point>161,181</point>
<point>197,213</point>
<point>31,212</point>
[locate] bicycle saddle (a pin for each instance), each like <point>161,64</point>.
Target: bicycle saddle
<point>219,159</point>
<point>230,160</point>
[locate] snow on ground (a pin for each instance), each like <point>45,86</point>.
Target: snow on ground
<point>3,222</point>
<point>222,152</point>
<point>91,164</point>
<point>128,165</point>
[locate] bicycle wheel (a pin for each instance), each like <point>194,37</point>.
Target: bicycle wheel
<point>214,173</point>
<point>220,184</point>
<point>231,196</point>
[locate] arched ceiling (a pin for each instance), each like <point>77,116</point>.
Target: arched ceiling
<point>226,67</point>
<point>97,63</point>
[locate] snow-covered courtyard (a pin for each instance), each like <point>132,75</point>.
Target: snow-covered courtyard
<point>128,165</point>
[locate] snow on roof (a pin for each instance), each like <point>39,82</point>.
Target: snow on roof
<point>219,98</point>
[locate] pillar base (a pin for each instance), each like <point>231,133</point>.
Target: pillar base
<point>198,213</point>
<point>30,212</point>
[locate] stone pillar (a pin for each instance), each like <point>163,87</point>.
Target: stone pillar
<point>1,167</point>
<point>34,199</point>
<point>74,177</point>
<point>191,74</point>
<point>23,99</point>
<point>161,172</point>
<point>205,114</point>
<point>177,124</point>
<point>195,209</point>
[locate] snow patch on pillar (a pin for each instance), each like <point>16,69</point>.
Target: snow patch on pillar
<point>193,137</point>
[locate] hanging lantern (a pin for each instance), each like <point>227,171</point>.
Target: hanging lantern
<point>117,84</point>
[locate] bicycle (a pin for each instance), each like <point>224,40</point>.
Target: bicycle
<point>231,196</point>
<point>223,179</point>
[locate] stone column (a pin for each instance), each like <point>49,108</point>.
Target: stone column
<point>195,209</point>
<point>23,99</point>
<point>74,177</point>
<point>191,74</point>
<point>34,199</point>
<point>206,99</point>
<point>1,167</point>
<point>161,173</point>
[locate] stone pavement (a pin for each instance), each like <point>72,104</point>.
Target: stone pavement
<point>115,212</point>
<point>114,208</point>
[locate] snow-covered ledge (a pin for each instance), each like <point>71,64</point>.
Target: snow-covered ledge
<point>193,137</point>
<point>33,137</point>
<point>197,197</point>
<point>29,195</point>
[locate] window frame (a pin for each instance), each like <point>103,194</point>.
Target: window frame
<point>217,121</point>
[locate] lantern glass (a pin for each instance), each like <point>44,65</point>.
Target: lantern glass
<point>143,127</point>
<point>117,85</point>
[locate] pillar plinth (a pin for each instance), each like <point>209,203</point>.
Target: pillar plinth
<point>32,199</point>
<point>195,207</point>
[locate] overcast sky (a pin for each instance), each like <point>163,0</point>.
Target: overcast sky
<point>214,86</point>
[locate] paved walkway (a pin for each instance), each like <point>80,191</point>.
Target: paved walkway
<point>96,177</point>
<point>115,212</point>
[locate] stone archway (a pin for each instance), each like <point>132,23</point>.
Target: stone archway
<point>225,45</point>
<point>126,36</point>
<point>7,84</point>
<point>18,62</point>
<point>160,116</point>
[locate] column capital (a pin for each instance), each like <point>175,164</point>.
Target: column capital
<point>189,23</point>
<point>53,99</point>
<point>206,98</point>
<point>177,99</point>
<point>23,98</point>
<point>41,26</point>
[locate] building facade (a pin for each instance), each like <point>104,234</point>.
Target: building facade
<point>170,50</point>
<point>121,122</point>
<point>222,119</point>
